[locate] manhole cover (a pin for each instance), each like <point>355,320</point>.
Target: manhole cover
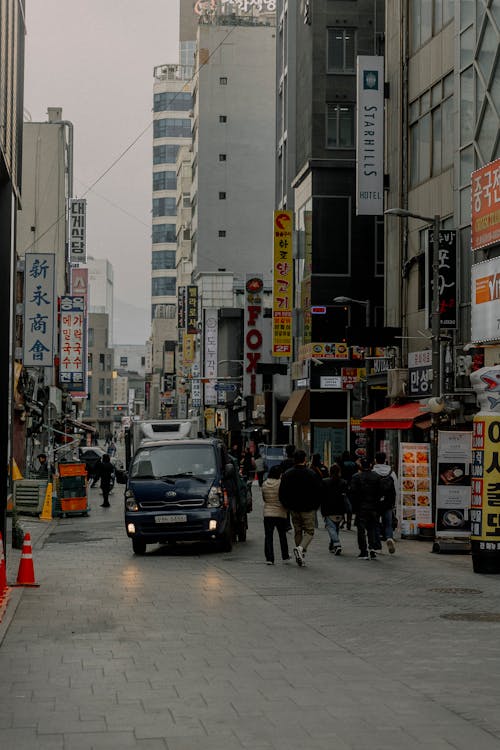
<point>473,616</point>
<point>457,591</point>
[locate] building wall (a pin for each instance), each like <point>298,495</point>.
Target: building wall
<point>130,357</point>
<point>101,288</point>
<point>99,405</point>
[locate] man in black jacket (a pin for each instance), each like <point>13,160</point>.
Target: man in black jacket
<point>301,492</point>
<point>366,493</point>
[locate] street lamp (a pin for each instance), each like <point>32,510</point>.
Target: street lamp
<point>349,300</point>
<point>436,315</point>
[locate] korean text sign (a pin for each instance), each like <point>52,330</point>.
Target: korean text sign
<point>447,277</point>
<point>72,352</point>
<point>282,284</point>
<point>77,230</point>
<point>485,210</point>
<point>39,309</point>
<point>485,504</point>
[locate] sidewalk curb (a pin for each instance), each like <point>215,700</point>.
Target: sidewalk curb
<point>15,594</point>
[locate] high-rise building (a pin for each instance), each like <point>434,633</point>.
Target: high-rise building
<point>101,289</point>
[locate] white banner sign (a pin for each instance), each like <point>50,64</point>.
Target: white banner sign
<point>453,491</point>
<point>77,231</point>
<point>72,355</point>
<point>370,136</point>
<point>211,349</point>
<point>485,301</point>
<point>39,309</point>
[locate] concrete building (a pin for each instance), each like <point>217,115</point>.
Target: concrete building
<point>99,405</point>
<point>101,288</point>
<point>130,357</point>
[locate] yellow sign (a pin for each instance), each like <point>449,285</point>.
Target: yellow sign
<point>485,502</point>
<point>282,284</point>
<point>210,419</point>
<point>187,348</point>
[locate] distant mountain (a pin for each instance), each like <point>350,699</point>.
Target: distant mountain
<point>131,324</point>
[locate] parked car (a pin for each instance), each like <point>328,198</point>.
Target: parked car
<point>92,454</point>
<point>184,490</point>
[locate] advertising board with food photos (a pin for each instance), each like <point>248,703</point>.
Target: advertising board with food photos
<point>415,487</point>
<point>453,489</point>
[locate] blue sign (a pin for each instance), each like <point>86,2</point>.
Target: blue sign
<point>225,386</point>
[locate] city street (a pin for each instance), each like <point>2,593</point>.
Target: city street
<point>187,648</point>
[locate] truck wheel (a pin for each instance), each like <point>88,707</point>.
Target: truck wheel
<point>242,529</point>
<point>139,546</point>
<point>226,542</point>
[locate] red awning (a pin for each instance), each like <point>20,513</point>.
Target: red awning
<point>396,417</point>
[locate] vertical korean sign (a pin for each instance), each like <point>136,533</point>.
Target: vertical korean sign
<point>447,277</point>
<point>80,288</point>
<point>282,284</point>
<point>39,309</point>
<point>370,136</point>
<point>211,347</point>
<point>485,504</point>
<point>77,231</point>
<point>72,353</point>
<point>485,210</point>
<point>453,491</point>
<point>192,309</point>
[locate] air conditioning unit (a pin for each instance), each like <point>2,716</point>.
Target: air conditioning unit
<point>397,383</point>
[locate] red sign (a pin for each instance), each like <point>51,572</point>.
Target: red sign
<point>485,212</point>
<point>318,310</point>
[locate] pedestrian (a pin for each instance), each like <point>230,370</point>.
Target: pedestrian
<point>348,469</point>
<point>288,462</point>
<point>274,517</point>
<point>318,466</point>
<point>389,482</point>
<point>111,449</point>
<point>247,465</point>
<point>365,497</point>
<point>334,506</point>
<point>300,492</point>
<point>106,474</point>
<point>259,468</point>
<point>43,469</point>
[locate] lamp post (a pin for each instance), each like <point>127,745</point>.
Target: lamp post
<point>349,300</point>
<point>436,315</point>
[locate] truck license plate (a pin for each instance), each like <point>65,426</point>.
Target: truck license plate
<point>171,519</point>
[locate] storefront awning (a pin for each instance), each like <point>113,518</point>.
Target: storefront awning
<point>297,407</point>
<point>396,417</point>
<point>80,425</point>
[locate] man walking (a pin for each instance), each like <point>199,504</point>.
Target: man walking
<point>366,492</point>
<point>301,492</point>
<point>389,482</point>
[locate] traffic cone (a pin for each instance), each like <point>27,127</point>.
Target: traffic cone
<point>3,572</point>
<point>26,573</point>
<point>46,514</point>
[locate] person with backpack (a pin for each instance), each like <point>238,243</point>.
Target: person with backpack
<point>348,468</point>
<point>334,504</point>
<point>366,492</point>
<point>388,482</point>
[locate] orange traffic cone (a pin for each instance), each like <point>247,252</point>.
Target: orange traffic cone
<point>26,573</point>
<point>3,572</point>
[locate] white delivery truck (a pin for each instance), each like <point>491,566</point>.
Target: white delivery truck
<point>158,429</point>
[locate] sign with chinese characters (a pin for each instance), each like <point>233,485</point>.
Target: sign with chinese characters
<point>253,340</point>
<point>77,231</point>
<point>181,307</point>
<point>414,486</point>
<point>485,209</point>
<point>282,284</point>
<point>192,309</point>
<point>447,277</point>
<point>485,503</point>
<point>73,354</point>
<point>485,301</point>
<point>39,309</point>
<point>420,373</point>
<point>210,7</point>
<point>370,136</point>
<point>453,493</point>
<point>211,354</point>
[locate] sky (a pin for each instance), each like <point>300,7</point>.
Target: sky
<point>95,59</point>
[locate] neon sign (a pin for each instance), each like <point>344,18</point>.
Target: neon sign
<point>245,6</point>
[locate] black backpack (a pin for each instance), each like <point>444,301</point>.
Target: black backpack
<point>388,492</point>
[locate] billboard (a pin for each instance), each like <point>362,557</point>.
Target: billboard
<point>39,309</point>
<point>211,329</point>
<point>253,339</point>
<point>485,298</point>
<point>282,284</point>
<point>485,209</point>
<point>77,231</point>
<point>192,309</point>
<point>370,136</point>
<point>73,355</point>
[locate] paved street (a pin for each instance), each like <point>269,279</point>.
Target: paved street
<point>190,649</point>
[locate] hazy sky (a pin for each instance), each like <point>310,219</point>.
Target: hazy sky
<point>95,59</point>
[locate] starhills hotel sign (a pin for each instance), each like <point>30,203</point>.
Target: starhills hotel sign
<point>210,7</point>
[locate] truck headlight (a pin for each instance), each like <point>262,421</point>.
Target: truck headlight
<point>214,498</point>
<point>130,501</point>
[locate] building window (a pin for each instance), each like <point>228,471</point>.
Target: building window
<point>186,234</point>
<point>165,154</point>
<point>222,157</point>
<point>341,56</point>
<point>91,337</point>
<point>222,118</point>
<point>222,232</point>
<point>162,259</point>
<point>102,383</point>
<point>431,151</point>
<point>101,363</point>
<point>223,81</point>
<point>164,181</point>
<point>222,196</point>
<point>172,127</point>
<point>143,361</point>
<point>164,207</point>
<point>186,200</point>
<point>427,18</point>
<point>173,101</point>
<point>123,361</point>
<point>340,130</point>
<point>163,233</point>
<point>163,286</point>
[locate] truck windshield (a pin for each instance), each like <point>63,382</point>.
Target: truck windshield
<point>174,460</point>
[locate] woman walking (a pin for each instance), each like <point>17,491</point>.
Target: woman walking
<point>333,506</point>
<point>274,517</point>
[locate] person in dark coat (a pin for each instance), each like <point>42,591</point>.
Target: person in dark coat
<point>105,473</point>
<point>288,462</point>
<point>348,468</point>
<point>366,492</point>
<point>300,492</point>
<point>333,506</point>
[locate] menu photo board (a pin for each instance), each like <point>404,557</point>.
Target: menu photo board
<point>415,486</point>
<point>453,491</point>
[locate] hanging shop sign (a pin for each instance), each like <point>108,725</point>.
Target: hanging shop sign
<point>370,136</point>
<point>181,307</point>
<point>196,384</point>
<point>447,278</point>
<point>453,490</point>
<point>210,7</point>
<point>415,488</point>
<point>78,231</point>
<point>79,284</point>
<point>192,309</point>
<point>39,309</point>
<point>187,348</point>
<point>211,329</point>
<point>282,284</point>
<point>485,209</point>
<point>253,339</point>
<point>73,355</point>
<point>485,301</point>
<point>420,373</point>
